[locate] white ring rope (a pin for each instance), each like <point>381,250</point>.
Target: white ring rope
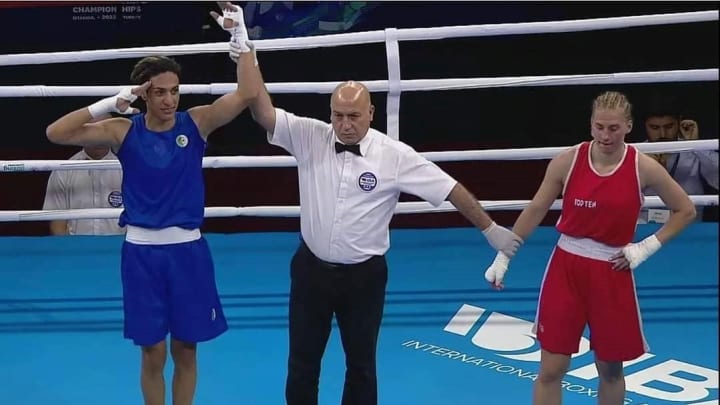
<point>392,50</point>
<point>289,161</point>
<point>357,38</point>
<point>394,87</point>
<point>691,75</point>
<point>287,211</point>
<point>391,36</point>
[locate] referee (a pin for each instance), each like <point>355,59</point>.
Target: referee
<point>350,179</point>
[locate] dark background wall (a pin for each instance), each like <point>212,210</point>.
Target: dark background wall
<point>514,117</point>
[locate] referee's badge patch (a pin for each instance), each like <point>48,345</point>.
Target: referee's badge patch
<point>367,181</point>
<point>181,141</point>
<point>115,199</point>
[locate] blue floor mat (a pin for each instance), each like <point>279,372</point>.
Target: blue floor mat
<point>446,338</point>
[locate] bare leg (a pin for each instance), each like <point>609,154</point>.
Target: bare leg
<point>185,375</point>
<point>151,374</point>
<point>547,389</point>
<point>611,390</point>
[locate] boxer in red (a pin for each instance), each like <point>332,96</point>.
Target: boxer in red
<point>589,279</point>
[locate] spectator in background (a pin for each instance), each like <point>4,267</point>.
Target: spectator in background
<point>76,189</point>
<point>695,171</point>
<point>283,19</point>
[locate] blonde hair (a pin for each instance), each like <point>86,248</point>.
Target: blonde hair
<point>613,100</point>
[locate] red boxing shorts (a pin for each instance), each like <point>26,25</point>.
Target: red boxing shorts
<point>581,288</point>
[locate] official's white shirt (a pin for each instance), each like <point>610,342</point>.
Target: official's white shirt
<point>75,189</point>
<point>347,201</point>
<point>688,169</point>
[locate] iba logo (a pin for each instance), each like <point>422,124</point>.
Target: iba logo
<point>511,338</point>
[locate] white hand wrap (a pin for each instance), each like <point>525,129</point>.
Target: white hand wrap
<point>238,33</point>
<point>110,104</point>
<point>496,272</point>
<point>636,253</point>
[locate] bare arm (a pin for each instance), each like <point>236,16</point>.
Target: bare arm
<point>652,174</point>
<point>83,128</point>
<point>261,107</point>
<point>77,129</point>
<point>226,108</point>
<point>549,190</point>
<point>500,238</point>
<point>251,86</point>
<point>468,205</point>
<point>59,227</point>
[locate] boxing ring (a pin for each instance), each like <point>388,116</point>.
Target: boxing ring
<point>446,338</point>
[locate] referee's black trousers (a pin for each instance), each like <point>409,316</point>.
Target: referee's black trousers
<point>355,294</point>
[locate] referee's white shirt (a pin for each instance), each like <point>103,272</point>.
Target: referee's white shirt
<point>75,189</point>
<point>347,201</point>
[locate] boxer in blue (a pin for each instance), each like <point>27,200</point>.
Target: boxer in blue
<point>167,271</point>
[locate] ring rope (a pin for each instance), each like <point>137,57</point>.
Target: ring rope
<point>392,50</point>
<point>289,211</point>
<point>391,36</point>
<point>289,161</point>
<point>367,37</point>
<point>690,75</point>
<point>395,86</point>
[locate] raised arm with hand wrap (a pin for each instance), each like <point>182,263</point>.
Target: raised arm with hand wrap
<point>233,21</point>
<point>229,106</point>
<point>261,106</point>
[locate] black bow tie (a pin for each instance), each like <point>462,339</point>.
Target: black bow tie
<point>341,147</point>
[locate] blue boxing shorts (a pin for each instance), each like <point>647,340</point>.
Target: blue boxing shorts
<point>170,288</point>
